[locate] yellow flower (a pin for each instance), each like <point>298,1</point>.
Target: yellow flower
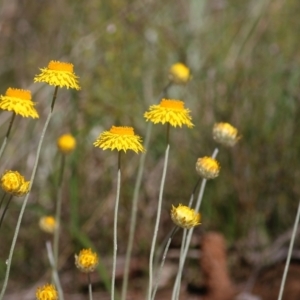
<point>169,111</point>
<point>47,292</point>
<point>12,182</point>
<point>207,167</point>
<point>66,143</point>
<point>18,101</point>
<point>179,73</point>
<point>225,134</point>
<point>120,138</point>
<point>184,216</point>
<point>86,261</point>
<point>59,74</point>
<point>47,224</point>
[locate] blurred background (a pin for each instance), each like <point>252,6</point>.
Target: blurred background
<point>244,57</point>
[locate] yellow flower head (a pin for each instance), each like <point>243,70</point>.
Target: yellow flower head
<point>59,74</point>
<point>169,111</point>
<point>184,216</point>
<point>120,138</point>
<point>47,224</point>
<point>179,73</point>
<point>225,134</point>
<point>18,101</point>
<point>207,167</point>
<point>66,143</point>
<point>12,182</point>
<point>47,292</point>
<point>86,261</point>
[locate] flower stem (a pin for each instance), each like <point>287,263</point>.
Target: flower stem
<point>5,209</point>
<point>163,262</point>
<point>134,212</point>
<point>165,89</point>
<point>289,253</point>
<point>2,199</point>
<point>115,234</point>
<point>135,199</point>
<point>168,133</point>
<point>162,184</point>
<point>58,212</point>
<point>7,134</point>
<point>90,287</point>
<point>54,270</point>
<point>187,240</point>
<point>12,248</point>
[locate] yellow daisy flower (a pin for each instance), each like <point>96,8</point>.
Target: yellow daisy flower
<point>169,111</point>
<point>185,217</point>
<point>59,74</point>
<point>47,292</point>
<point>179,73</point>
<point>18,101</point>
<point>48,224</point>
<point>120,138</point>
<point>86,261</point>
<point>225,134</point>
<point>12,182</point>
<point>208,167</point>
<point>66,143</point>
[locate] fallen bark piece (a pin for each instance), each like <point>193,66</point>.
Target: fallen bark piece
<point>214,267</point>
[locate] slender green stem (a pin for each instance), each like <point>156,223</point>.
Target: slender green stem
<point>178,278</point>
<point>194,191</point>
<point>17,229</point>
<point>186,242</point>
<point>163,262</point>
<point>161,191</point>
<point>7,134</point>
<point>90,287</point>
<point>5,209</point>
<point>289,253</point>
<point>54,98</point>
<point>168,133</point>
<point>135,199</point>
<point>58,211</point>
<point>119,160</point>
<point>115,235</point>
<point>166,88</point>
<point>2,199</point>
<point>54,271</point>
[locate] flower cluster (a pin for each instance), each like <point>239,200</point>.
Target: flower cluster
<point>225,134</point>
<point>59,74</point>
<point>120,138</point>
<point>47,292</point>
<point>207,167</point>
<point>66,143</point>
<point>19,101</point>
<point>185,217</point>
<point>169,111</point>
<point>86,261</point>
<point>48,224</point>
<point>12,182</point>
<point>179,73</point>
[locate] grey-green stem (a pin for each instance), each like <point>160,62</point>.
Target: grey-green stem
<point>161,191</point>
<point>7,134</point>
<point>58,211</point>
<point>186,242</point>
<point>115,234</point>
<point>12,248</point>
<point>286,268</point>
<point>54,270</point>
<point>163,262</point>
